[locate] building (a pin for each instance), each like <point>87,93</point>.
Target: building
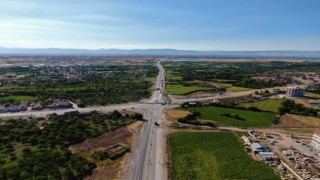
<point>268,156</point>
<point>315,143</point>
<point>258,147</point>
<point>246,140</point>
<point>295,92</point>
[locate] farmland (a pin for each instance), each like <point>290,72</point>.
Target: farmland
<point>236,89</point>
<point>315,95</point>
<point>240,76</point>
<point>17,98</point>
<point>181,90</point>
<point>265,105</point>
<point>247,118</point>
<point>213,156</point>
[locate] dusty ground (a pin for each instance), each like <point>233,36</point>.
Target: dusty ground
<point>296,121</point>
<point>173,114</point>
<point>109,169</point>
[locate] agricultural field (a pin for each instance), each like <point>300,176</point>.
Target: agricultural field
<point>234,117</point>
<point>315,95</point>
<point>236,89</point>
<point>182,90</point>
<point>17,98</point>
<point>217,155</point>
<point>240,75</point>
<point>265,105</point>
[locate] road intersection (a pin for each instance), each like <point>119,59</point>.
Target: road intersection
<point>147,156</point>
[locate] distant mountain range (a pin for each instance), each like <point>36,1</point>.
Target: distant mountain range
<point>163,52</point>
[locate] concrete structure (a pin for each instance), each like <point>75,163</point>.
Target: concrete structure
<point>258,147</point>
<point>315,143</point>
<point>295,92</point>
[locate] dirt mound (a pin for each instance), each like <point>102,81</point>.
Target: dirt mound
<point>174,114</point>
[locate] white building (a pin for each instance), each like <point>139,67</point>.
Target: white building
<point>246,140</point>
<point>295,92</point>
<point>315,143</point>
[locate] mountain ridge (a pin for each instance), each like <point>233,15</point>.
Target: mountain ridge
<point>161,52</point>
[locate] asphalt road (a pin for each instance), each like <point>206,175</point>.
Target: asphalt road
<point>147,155</point>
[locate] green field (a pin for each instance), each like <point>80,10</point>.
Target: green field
<point>315,95</point>
<point>181,90</point>
<point>17,98</point>
<point>265,105</point>
<point>215,156</point>
<point>236,89</point>
<point>251,118</point>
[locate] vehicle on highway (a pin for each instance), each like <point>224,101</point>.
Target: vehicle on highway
<point>156,123</point>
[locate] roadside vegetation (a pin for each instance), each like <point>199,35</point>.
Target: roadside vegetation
<point>217,155</point>
<point>39,149</point>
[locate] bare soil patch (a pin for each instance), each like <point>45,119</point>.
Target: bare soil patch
<point>297,121</point>
<point>173,114</point>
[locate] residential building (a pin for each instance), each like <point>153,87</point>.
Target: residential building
<point>315,143</point>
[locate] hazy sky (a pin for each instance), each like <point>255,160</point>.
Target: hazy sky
<point>180,24</point>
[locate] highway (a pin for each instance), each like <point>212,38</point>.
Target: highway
<point>147,156</point>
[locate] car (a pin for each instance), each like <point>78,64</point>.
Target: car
<point>156,123</point>
<point>132,108</point>
<point>297,141</point>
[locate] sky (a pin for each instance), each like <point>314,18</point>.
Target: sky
<point>148,24</point>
